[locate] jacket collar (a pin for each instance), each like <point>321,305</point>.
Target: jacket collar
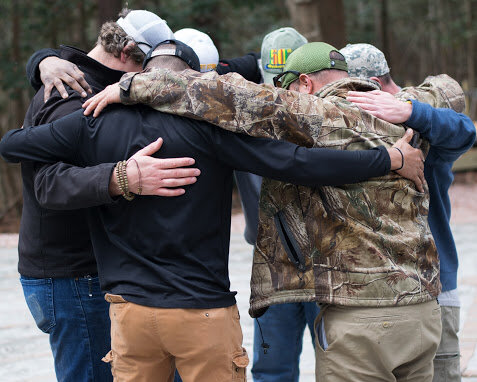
<point>100,75</point>
<point>341,87</point>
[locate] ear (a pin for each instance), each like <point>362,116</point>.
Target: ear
<point>125,53</point>
<point>306,84</point>
<point>376,79</point>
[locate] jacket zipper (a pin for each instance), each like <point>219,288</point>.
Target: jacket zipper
<point>289,242</point>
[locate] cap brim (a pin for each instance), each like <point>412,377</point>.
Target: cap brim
<point>268,77</point>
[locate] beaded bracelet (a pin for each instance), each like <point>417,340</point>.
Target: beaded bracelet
<point>123,183</point>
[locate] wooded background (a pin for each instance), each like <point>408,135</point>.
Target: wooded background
<point>419,38</point>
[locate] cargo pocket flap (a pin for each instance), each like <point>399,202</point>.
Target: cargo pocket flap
<point>241,359</point>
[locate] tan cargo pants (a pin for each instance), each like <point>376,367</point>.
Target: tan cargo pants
<point>378,344</point>
<point>447,360</point>
<point>147,344</point>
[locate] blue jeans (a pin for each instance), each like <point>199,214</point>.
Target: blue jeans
<point>75,315</point>
<point>282,327</point>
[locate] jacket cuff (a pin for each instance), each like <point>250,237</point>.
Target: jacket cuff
<point>125,86</point>
<point>106,170</point>
<point>386,159</point>
<point>418,119</point>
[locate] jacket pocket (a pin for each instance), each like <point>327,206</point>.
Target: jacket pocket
<point>289,242</point>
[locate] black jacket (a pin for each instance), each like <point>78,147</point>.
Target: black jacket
<point>57,243</point>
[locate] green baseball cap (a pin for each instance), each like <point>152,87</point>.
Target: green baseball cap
<point>276,47</point>
<point>310,58</point>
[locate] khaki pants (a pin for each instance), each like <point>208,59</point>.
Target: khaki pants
<point>447,360</point>
<point>378,344</point>
<point>147,344</point>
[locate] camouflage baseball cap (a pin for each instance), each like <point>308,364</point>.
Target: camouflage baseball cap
<point>365,61</point>
<point>310,58</point>
<point>276,47</point>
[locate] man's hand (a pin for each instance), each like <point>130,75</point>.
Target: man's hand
<point>382,105</point>
<point>413,168</point>
<point>111,94</point>
<point>54,71</point>
<point>156,176</point>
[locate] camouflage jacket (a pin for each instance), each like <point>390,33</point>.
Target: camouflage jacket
<point>366,244</point>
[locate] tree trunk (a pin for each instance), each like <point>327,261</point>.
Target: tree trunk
<point>385,38</point>
<point>470,45</point>
<point>305,17</point>
<point>81,26</point>
<point>332,22</point>
<point>10,188</point>
<point>433,37</point>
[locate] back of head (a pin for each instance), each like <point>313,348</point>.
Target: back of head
<point>276,47</point>
<point>203,46</point>
<point>143,29</point>
<point>312,58</point>
<point>365,61</point>
<point>172,54</point>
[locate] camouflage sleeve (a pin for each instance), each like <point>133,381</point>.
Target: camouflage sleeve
<point>229,101</point>
<point>438,91</point>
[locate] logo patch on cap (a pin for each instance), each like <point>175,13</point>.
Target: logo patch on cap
<point>278,58</point>
<point>207,67</point>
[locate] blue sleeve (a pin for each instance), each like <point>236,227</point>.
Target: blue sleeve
<point>450,133</point>
<point>50,142</point>
<point>288,162</point>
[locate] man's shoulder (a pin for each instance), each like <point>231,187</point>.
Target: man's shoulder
<point>40,112</point>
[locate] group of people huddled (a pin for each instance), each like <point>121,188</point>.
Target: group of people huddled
<point>124,240</point>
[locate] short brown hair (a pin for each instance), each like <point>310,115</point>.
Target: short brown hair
<point>113,39</point>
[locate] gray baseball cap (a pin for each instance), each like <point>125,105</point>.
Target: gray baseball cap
<point>276,47</point>
<point>146,28</point>
<point>365,60</point>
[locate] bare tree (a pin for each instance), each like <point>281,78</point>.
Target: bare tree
<point>332,22</point>
<point>305,18</point>
<point>319,20</point>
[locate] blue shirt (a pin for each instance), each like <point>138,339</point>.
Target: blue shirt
<point>450,134</point>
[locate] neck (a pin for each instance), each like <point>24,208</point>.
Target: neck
<point>105,58</point>
<point>331,76</point>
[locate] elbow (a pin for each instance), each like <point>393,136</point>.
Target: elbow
<point>5,154</point>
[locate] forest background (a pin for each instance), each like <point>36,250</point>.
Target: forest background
<point>418,37</point>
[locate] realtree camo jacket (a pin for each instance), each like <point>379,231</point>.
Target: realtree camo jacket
<point>366,244</point>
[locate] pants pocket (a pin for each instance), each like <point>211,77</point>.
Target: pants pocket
<point>39,298</point>
<point>240,362</point>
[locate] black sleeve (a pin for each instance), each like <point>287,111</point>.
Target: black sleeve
<point>288,162</point>
<point>32,70</point>
<point>246,66</point>
<point>61,186</point>
<point>46,143</point>
<point>249,186</point>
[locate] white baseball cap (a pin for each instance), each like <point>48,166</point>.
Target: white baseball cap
<point>203,46</point>
<point>146,28</point>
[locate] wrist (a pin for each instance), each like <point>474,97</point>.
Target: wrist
<point>401,156</point>
<point>114,189</point>
<point>407,110</point>
<point>395,155</point>
<point>133,177</point>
